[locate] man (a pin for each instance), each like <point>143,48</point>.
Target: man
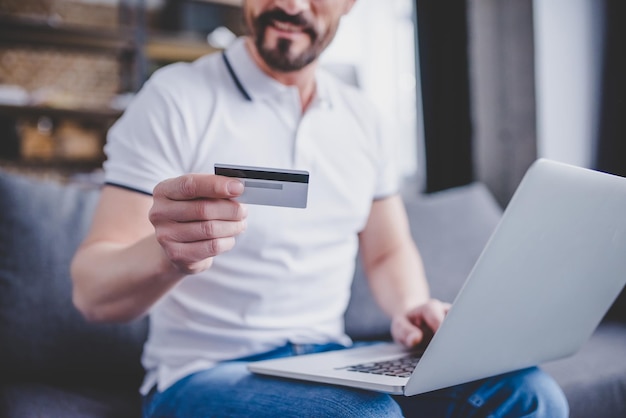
<point>226,283</point>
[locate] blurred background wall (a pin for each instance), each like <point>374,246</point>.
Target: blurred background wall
<point>469,90</point>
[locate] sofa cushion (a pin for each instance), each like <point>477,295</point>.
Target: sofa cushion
<point>41,400</point>
<point>450,227</point>
<point>43,336</point>
<point>594,379</point>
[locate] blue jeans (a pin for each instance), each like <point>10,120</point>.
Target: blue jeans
<point>229,390</point>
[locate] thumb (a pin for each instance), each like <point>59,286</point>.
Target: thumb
<point>404,332</point>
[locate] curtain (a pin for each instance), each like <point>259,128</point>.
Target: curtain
<point>443,57</point>
<point>611,147</point>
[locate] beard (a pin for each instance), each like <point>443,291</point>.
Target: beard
<point>280,57</point>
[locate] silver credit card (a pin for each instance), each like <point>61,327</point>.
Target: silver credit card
<point>269,186</point>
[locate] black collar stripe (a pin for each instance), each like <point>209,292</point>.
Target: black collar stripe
<point>235,78</point>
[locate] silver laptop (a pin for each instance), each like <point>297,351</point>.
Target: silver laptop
<point>547,276</point>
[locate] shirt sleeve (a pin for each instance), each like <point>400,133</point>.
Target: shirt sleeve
<point>144,146</point>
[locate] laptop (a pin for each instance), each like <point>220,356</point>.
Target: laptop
<point>549,273</point>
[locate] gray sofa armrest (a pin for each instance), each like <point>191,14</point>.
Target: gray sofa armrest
<point>450,228</point>
<point>594,378</point>
<point>44,338</point>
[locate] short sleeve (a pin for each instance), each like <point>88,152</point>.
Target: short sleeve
<point>145,145</point>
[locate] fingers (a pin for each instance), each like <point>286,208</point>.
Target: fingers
<point>202,230</point>
<point>420,324</point>
<point>174,234</point>
<point>194,186</point>
<point>197,197</point>
<point>195,219</point>
<point>197,210</point>
<point>431,314</point>
<point>194,257</point>
<point>405,332</point>
<point>186,245</point>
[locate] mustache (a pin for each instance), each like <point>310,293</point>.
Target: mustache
<point>266,18</point>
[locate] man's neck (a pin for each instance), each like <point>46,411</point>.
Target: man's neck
<point>303,79</point>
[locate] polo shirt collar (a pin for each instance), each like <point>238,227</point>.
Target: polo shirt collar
<point>253,83</point>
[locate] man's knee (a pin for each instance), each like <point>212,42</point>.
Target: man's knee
<point>355,403</point>
<point>551,401</point>
<point>535,393</point>
<point>229,391</point>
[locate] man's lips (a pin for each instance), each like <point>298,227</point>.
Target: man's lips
<point>286,27</point>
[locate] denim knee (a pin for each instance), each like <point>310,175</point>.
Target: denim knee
<point>230,391</point>
<point>550,399</point>
<point>362,404</point>
<point>532,392</point>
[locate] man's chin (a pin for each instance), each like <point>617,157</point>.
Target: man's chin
<point>287,46</point>
<point>284,61</point>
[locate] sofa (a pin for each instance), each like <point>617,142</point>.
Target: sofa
<point>55,364</point>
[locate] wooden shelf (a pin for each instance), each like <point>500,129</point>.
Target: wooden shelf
<point>131,41</point>
<point>18,30</point>
<point>168,48</point>
<point>59,166</point>
<point>90,115</point>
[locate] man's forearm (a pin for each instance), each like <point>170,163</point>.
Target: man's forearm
<point>118,283</point>
<point>398,281</point>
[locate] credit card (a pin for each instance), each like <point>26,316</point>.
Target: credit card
<point>269,186</point>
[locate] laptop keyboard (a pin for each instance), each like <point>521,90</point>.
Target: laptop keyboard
<point>400,367</point>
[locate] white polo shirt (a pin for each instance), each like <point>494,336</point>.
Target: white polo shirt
<point>288,277</point>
